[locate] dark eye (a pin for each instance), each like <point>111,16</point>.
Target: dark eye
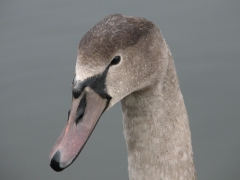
<point>115,60</point>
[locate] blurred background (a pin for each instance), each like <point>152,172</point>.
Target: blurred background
<point>38,50</point>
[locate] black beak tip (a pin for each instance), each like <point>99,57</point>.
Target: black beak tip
<point>55,162</point>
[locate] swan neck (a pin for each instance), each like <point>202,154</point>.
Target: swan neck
<point>157,133</point>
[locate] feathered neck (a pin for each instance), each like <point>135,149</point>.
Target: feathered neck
<point>157,133</point>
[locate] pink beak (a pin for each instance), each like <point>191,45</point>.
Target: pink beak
<point>84,115</point>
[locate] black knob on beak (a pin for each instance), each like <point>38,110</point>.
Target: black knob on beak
<point>55,162</point>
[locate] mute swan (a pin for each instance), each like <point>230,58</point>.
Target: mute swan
<point>126,58</point>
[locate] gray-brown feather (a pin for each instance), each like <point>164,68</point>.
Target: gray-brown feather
<point>112,33</point>
<point>155,121</point>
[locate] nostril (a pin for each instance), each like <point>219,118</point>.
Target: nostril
<point>55,162</point>
<point>81,109</point>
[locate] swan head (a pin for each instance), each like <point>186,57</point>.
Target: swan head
<point>118,56</point>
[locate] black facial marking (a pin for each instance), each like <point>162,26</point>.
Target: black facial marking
<point>97,83</point>
<point>115,60</point>
<point>81,109</point>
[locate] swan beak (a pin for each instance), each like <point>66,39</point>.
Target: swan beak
<point>84,115</point>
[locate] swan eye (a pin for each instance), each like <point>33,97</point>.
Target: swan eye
<point>115,60</point>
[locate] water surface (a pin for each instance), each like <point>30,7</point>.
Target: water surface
<point>38,48</point>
